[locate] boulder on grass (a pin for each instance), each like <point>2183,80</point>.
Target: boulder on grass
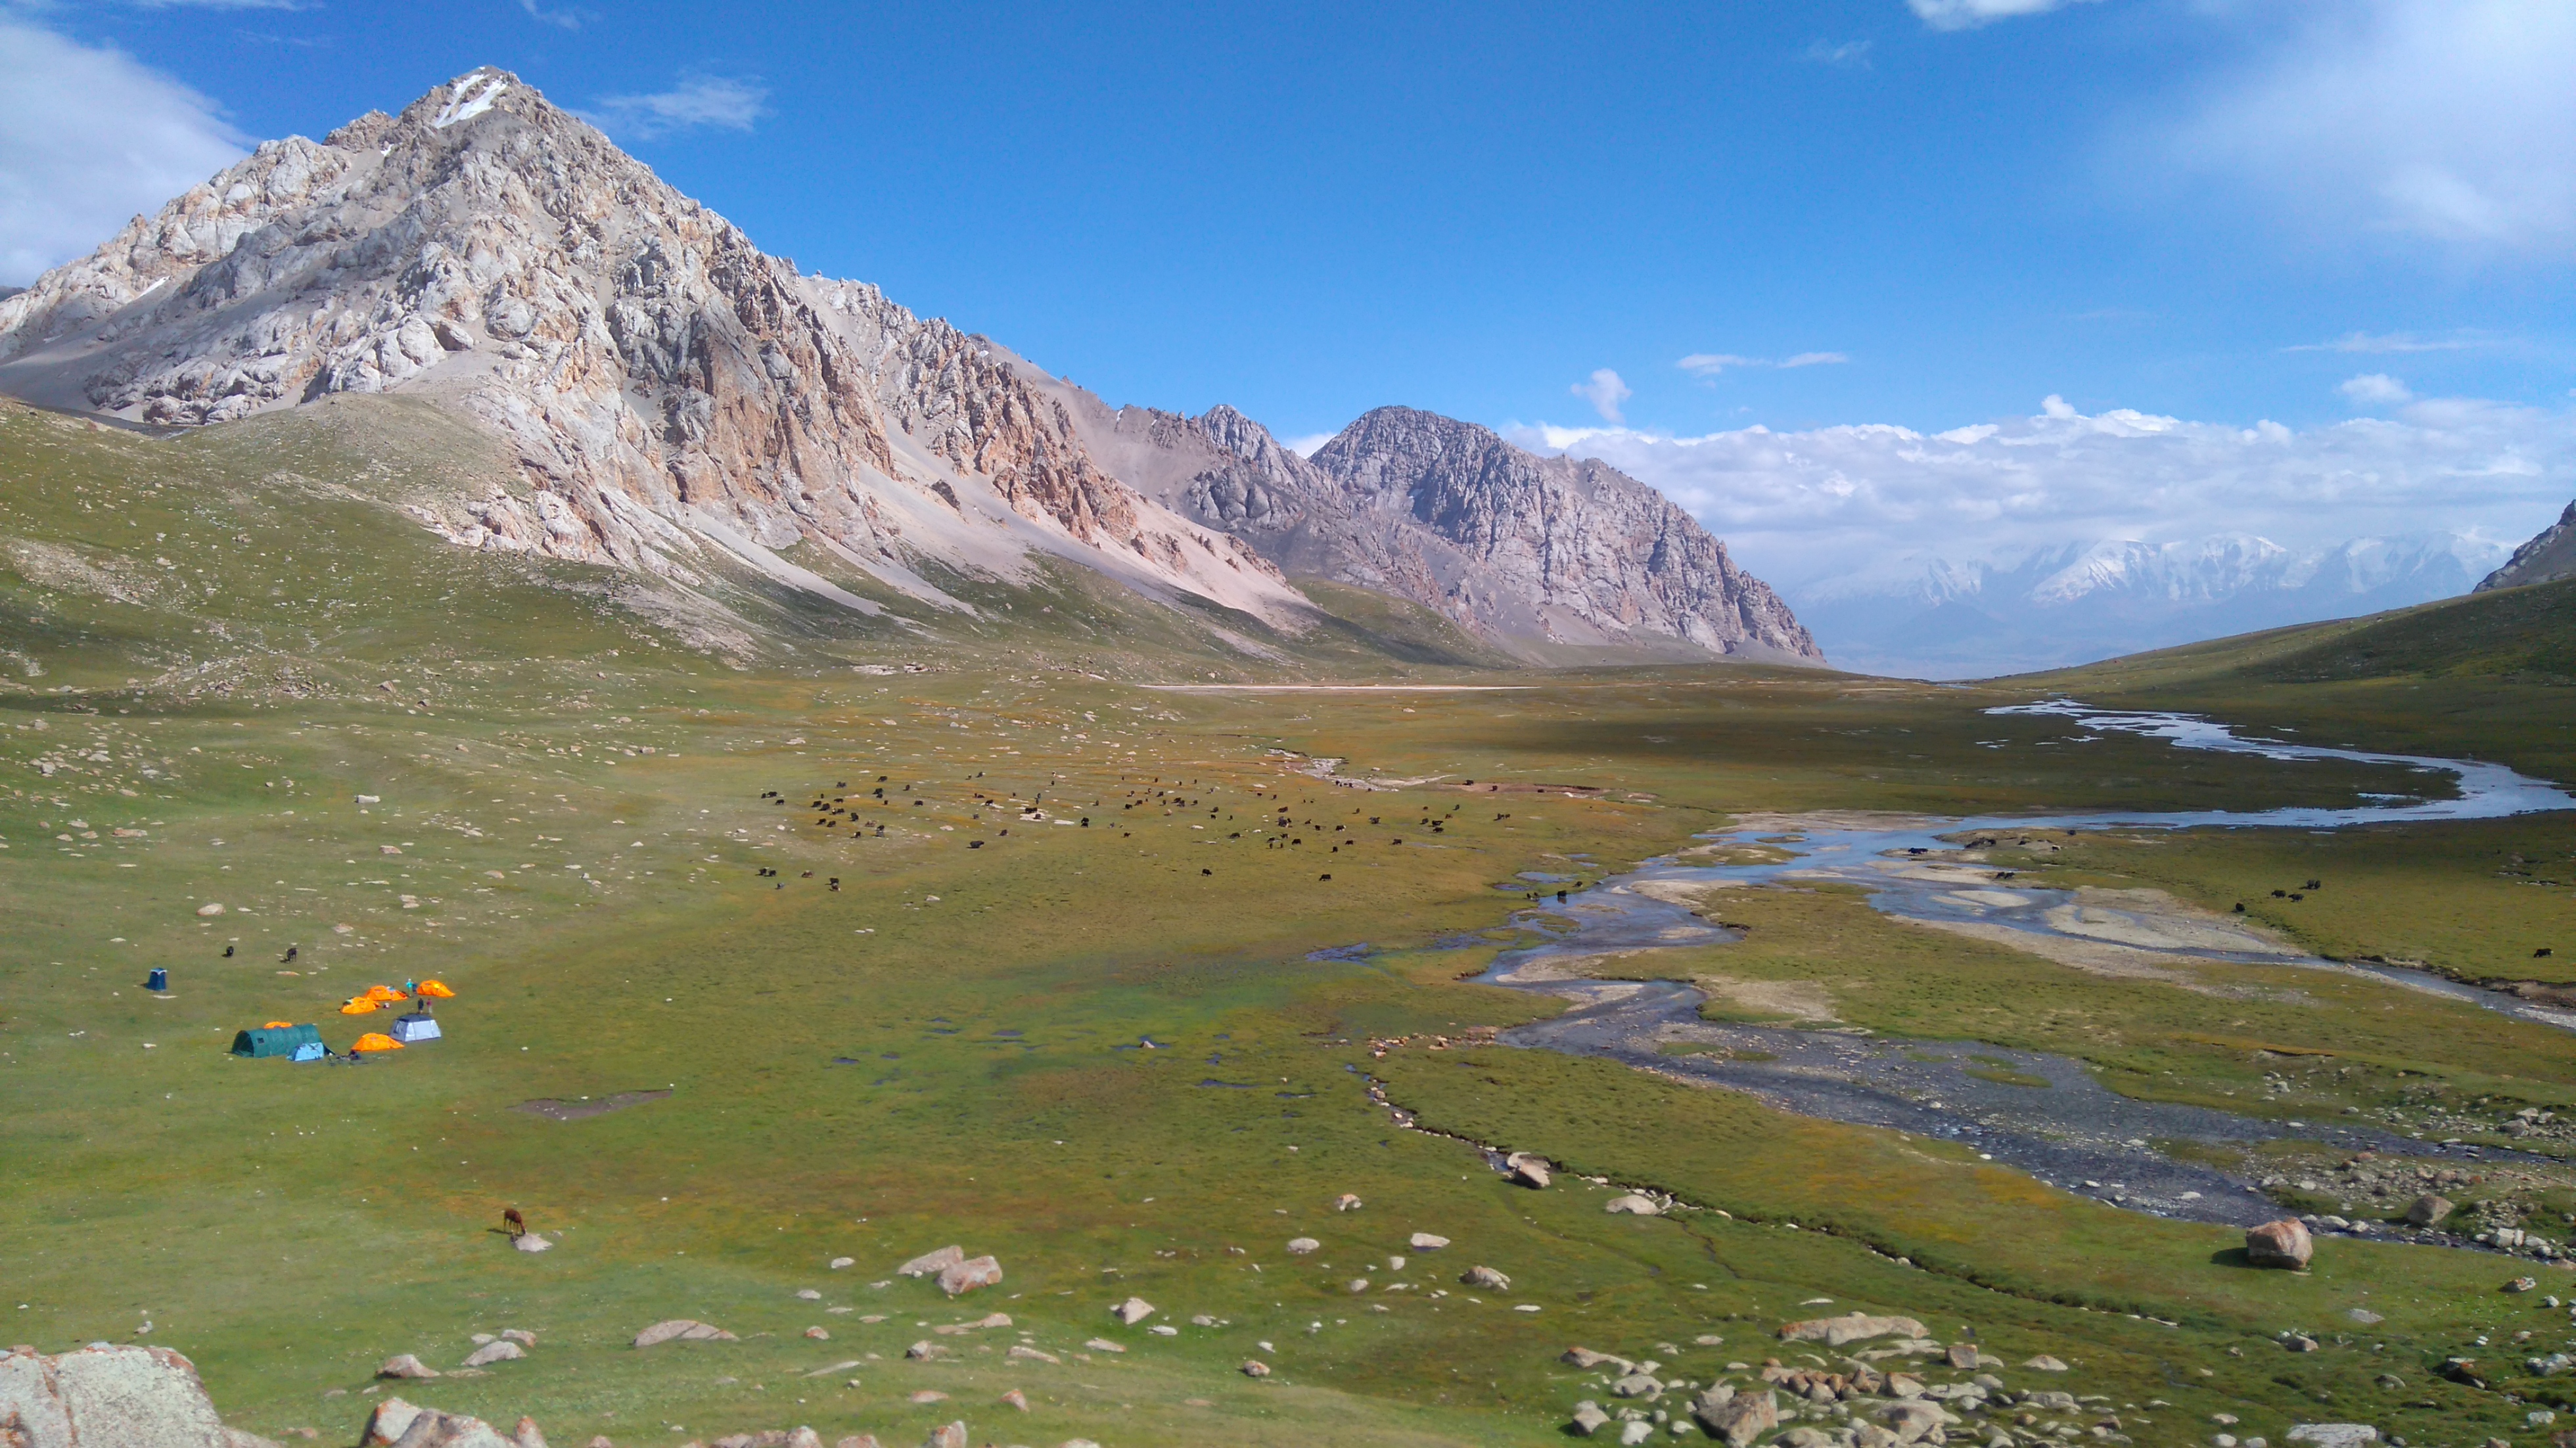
<point>931,1264</point>
<point>1633,1204</point>
<point>2284,1244</point>
<point>431,1428</point>
<point>1523,1169</point>
<point>969,1275</point>
<point>148,1397</point>
<point>500,1351</point>
<point>1487,1278</point>
<point>1132,1311</point>
<point>2427,1210</point>
<point>404,1365</point>
<point>1851,1327</point>
<point>1739,1419</point>
<point>682,1329</point>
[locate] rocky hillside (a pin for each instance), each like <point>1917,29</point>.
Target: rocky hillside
<point>666,386</point>
<point>1541,555</point>
<point>2548,557</point>
<point>672,396</point>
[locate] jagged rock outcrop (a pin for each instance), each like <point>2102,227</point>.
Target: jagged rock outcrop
<point>2548,557</point>
<point>664,383</point>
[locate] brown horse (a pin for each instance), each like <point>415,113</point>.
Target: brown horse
<point>513,1223</point>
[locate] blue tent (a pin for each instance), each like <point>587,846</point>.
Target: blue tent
<point>296,1043</point>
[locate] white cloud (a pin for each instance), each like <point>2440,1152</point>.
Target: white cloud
<point>1851,54</point>
<point>1968,14</point>
<point>1605,391</point>
<point>696,101</point>
<point>567,18</point>
<point>1800,506</point>
<point>2446,120</point>
<point>1713,364</point>
<point>2389,342</point>
<point>2375,389</point>
<point>89,137</point>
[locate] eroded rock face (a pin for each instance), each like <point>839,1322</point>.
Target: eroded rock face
<point>662,381</point>
<point>1523,551</point>
<point>1593,555</point>
<point>133,1397</point>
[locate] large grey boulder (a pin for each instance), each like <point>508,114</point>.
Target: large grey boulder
<point>130,1397</point>
<point>2333,1435</point>
<point>1523,1169</point>
<point>501,1351</point>
<point>2427,1210</point>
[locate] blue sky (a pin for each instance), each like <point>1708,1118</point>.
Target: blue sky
<point>2222,211</point>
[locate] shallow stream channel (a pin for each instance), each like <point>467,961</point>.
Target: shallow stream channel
<point>2076,1134</point>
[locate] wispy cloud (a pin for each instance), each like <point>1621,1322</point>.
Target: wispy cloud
<point>698,100</point>
<point>2392,342</point>
<point>1969,14</point>
<point>2375,389</point>
<point>89,136</point>
<point>2439,120</point>
<point>1605,390</point>
<point>1713,364</point>
<point>1850,54</point>
<point>567,18</point>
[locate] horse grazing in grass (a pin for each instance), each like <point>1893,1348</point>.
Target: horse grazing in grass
<point>513,1223</point>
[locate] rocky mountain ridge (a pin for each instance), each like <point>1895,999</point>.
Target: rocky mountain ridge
<point>672,396</point>
<point>2549,556</point>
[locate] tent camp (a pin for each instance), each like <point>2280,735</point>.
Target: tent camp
<point>415,1026</point>
<point>374,1041</point>
<point>292,1042</point>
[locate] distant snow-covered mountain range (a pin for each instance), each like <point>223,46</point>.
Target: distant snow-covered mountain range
<point>2068,603</point>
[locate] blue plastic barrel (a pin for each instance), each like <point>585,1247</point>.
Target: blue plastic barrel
<point>160,980</point>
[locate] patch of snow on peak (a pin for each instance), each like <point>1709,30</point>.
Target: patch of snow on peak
<point>459,110</point>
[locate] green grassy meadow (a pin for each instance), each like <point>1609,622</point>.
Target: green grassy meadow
<point>1073,1004</point>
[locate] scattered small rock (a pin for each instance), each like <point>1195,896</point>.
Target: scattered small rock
<point>1346,1203</point>
<point>818,1334</point>
<point>1024,1353</point>
<point>1523,1169</point>
<point>950,1435</point>
<point>1584,1357</point>
<point>1487,1278</point>
<point>404,1365</point>
<point>1302,1246</point>
<point>840,1262</point>
<point>1588,1418</point>
<point>2044,1364</point>
<point>1102,1344</point>
<point>924,1349</point>
<point>1633,1204</point>
<point>2522,1284</point>
<point>531,1242</point>
<point>2333,1435</point>
<point>929,1395</point>
<point>1255,1368</point>
<point>1132,1311</point>
<point>1357,1284</point>
<point>1737,1418</point>
<point>520,1336</point>
<point>809,1294</point>
<point>495,1352</point>
<point>1425,1242</point>
<point>1016,1399</point>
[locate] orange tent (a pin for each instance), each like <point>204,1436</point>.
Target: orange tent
<point>357,1006</point>
<point>385,994</point>
<point>435,989</point>
<point>376,1041</point>
<point>279,1026</point>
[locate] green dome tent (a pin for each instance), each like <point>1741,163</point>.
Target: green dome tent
<point>288,1041</point>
